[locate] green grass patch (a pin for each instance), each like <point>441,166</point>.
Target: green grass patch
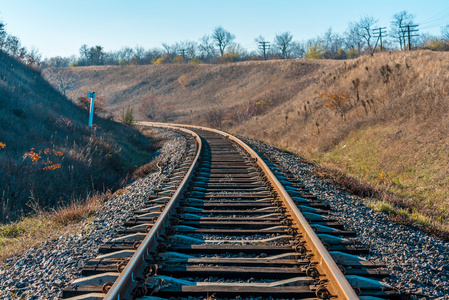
<point>409,182</point>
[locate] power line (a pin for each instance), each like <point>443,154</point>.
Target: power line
<point>436,18</point>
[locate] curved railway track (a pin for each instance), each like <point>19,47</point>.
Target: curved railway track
<point>231,224</point>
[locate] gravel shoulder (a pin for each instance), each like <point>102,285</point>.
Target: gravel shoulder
<point>418,262</point>
<point>41,272</point>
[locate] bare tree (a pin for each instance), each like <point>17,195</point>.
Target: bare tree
<point>214,117</point>
<point>282,43</point>
<point>139,51</point>
<point>96,55</point>
<point>125,54</point>
<point>365,26</point>
<point>298,50</point>
<point>33,58</point>
<point>206,48</point>
<point>191,49</point>
<point>400,19</point>
<point>331,42</point>
<point>445,32</point>
<point>169,49</point>
<point>222,38</point>
<point>352,38</point>
<point>84,54</point>
<point>61,79</point>
<point>12,46</point>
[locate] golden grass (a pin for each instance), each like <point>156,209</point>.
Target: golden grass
<point>392,136</point>
<point>30,231</point>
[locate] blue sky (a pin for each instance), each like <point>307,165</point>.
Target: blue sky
<point>60,27</point>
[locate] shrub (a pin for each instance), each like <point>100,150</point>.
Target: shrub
<point>153,108</point>
<point>214,117</point>
<point>127,117</point>
<point>337,102</point>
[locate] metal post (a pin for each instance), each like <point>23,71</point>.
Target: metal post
<point>92,105</point>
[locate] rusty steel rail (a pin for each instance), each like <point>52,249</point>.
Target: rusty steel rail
<point>124,282</point>
<point>324,263</point>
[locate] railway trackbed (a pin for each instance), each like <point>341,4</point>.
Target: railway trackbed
<point>230,224</point>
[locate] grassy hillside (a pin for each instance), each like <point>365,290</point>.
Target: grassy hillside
<point>193,90</point>
<point>381,119</point>
<point>48,156</point>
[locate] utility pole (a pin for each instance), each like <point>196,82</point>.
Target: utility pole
<point>264,46</point>
<point>183,52</point>
<point>380,32</point>
<point>409,30</point>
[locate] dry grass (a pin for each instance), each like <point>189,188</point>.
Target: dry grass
<point>17,236</point>
<point>80,209</point>
<point>148,168</point>
<point>203,88</point>
<point>34,115</point>
<point>390,134</point>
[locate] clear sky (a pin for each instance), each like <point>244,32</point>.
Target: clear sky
<point>60,27</point>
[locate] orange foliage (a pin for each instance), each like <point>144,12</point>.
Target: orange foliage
<point>337,102</point>
<point>183,80</point>
<point>179,59</point>
<point>35,156</point>
<point>32,155</point>
<point>64,122</point>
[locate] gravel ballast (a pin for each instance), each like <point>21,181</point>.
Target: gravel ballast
<point>418,262</point>
<point>41,272</point>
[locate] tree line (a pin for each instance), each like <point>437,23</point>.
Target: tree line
<point>12,46</point>
<point>361,37</point>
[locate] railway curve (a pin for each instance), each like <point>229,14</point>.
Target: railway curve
<point>231,224</point>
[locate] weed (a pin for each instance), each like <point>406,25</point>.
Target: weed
<point>79,209</point>
<point>128,116</point>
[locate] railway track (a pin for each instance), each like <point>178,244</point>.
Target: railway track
<point>231,224</point>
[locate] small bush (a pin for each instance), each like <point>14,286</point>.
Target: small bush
<point>127,117</point>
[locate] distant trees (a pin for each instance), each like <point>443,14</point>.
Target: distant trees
<point>282,42</point>
<point>365,30</point>
<point>11,45</point>
<point>206,48</point>
<point>61,79</point>
<point>397,32</point>
<point>91,56</point>
<point>445,32</point>
<point>359,38</point>
<point>222,38</point>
